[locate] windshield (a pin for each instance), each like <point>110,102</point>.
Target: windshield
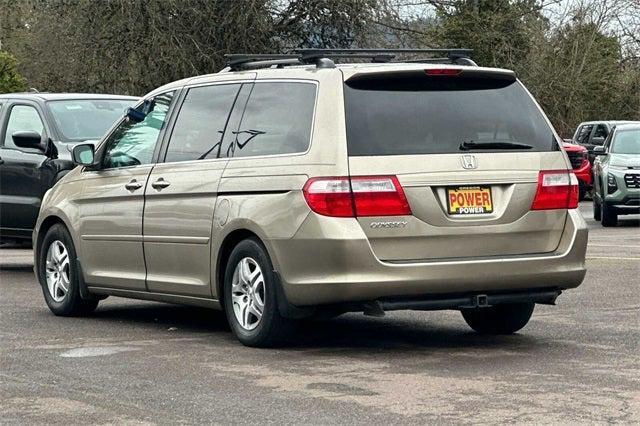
<point>626,142</point>
<point>437,115</point>
<point>81,120</point>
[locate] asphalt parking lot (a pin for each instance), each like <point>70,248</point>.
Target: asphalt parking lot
<point>142,362</point>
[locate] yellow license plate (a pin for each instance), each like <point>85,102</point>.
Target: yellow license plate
<point>469,200</point>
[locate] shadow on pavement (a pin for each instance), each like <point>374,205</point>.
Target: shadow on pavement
<point>350,331</point>
<point>185,318</point>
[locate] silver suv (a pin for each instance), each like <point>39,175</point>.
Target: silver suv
<point>616,175</point>
<point>287,186</point>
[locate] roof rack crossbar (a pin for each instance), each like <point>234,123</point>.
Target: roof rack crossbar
<point>374,57</point>
<point>322,57</point>
<point>278,63</point>
<point>237,62</point>
<point>331,52</point>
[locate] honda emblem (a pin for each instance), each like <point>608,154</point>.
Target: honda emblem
<point>469,162</point>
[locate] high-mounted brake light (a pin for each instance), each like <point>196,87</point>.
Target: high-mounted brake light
<point>557,189</point>
<point>356,196</point>
<point>443,71</point>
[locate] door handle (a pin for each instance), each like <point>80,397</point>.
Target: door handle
<point>133,185</point>
<point>1,161</point>
<point>160,184</point>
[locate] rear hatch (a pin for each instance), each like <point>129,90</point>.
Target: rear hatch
<point>467,147</point>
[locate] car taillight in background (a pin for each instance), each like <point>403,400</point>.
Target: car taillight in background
<point>557,189</point>
<point>578,155</point>
<point>356,196</point>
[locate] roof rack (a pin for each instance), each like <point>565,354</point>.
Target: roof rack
<point>323,58</point>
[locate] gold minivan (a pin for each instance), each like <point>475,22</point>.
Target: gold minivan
<point>289,186</point>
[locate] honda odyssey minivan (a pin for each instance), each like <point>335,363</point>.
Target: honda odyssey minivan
<point>291,186</point>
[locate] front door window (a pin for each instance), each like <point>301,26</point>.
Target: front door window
<point>133,143</point>
<point>22,118</point>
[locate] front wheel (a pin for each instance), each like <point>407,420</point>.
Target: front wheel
<point>609,216</point>
<point>250,297</point>
<point>58,275</point>
<point>499,319</point>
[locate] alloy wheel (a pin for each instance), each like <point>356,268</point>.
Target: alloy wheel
<point>248,293</point>
<point>58,271</point>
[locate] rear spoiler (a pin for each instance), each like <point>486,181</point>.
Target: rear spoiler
<point>446,72</point>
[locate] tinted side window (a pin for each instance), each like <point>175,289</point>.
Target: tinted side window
<point>200,125</point>
<point>22,118</point>
<point>601,131</point>
<point>132,144</point>
<point>276,120</point>
<point>583,134</point>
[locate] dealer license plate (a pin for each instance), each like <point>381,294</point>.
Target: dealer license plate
<point>468,200</point>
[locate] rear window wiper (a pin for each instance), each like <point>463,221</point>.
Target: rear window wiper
<point>470,145</point>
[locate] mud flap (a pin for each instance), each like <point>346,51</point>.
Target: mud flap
<point>287,310</point>
<point>82,286</point>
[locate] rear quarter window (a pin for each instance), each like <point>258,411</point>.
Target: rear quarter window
<point>277,120</point>
<point>434,115</point>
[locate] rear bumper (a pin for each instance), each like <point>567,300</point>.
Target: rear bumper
<point>469,301</point>
<point>337,265</point>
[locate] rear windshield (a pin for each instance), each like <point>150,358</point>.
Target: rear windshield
<point>434,115</point>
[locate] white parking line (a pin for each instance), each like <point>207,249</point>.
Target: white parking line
<point>606,237</point>
<point>612,245</point>
<point>612,258</point>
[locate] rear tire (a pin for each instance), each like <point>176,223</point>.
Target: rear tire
<point>609,216</point>
<point>499,319</point>
<point>251,299</point>
<point>58,275</point>
<point>597,209</point>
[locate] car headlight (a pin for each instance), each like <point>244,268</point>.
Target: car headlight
<point>612,185</point>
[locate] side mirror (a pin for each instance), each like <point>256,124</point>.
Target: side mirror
<point>83,154</point>
<point>597,141</point>
<point>138,115</point>
<point>599,150</point>
<point>28,139</point>
<point>135,115</point>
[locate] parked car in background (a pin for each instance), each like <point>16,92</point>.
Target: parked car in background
<point>593,133</point>
<point>579,158</point>
<point>317,189</point>
<point>616,175</point>
<point>37,132</point>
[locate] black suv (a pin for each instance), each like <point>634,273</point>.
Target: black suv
<point>37,131</point>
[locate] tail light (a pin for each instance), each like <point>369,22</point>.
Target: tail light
<point>557,189</point>
<point>585,158</point>
<point>356,196</point>
<point>443,71</point>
